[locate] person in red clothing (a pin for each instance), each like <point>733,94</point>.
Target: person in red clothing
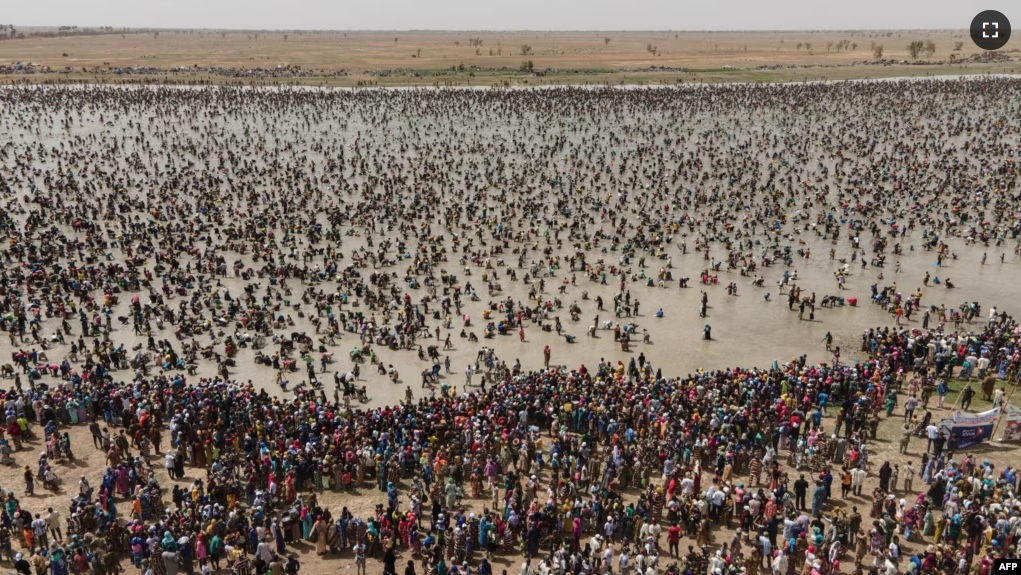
<point>81,561</point>
<point>673,535</point>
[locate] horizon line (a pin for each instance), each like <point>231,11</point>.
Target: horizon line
<point>123,29</point>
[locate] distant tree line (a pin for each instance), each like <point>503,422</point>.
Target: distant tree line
<point>8,32</point>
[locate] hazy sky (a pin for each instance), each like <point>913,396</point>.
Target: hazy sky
<point>503,14</point>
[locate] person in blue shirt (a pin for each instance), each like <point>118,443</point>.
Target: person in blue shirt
<point>942,389</point>
<point>818,498</point>
<point>1010,477</point>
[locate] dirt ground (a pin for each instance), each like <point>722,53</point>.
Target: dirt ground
<point>413,58</point>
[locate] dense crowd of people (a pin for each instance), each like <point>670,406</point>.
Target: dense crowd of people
<point>550,458</point>
<point>177,257</point>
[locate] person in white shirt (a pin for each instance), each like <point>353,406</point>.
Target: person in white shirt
<point>719,498</point>
<point>654,532</point>
<point>716,563</point>
<point>265,551</point>
<point>754,505</point>
<point>780,563</point>
<point>894,549</point>
<point>983,365</point>
<point>932,432</point>
<point>168,462</point>
<point>858,479</point>
<point>687,486</point>
<point>53,524</point>
<point>972,361</point>
<point>596,543</point>
<point>766,545</point>
<point>645,531</point>
<point>624,562</point>
<point>608,528</point>
<point>668,468</point>
<point>359,549</point>
<point>909,407</point>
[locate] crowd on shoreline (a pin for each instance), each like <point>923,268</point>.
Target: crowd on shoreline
<point>581,470</point>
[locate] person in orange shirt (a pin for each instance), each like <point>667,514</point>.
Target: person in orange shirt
<point>845,483</point>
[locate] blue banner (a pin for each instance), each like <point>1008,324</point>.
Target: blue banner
<point>969,435</point>
<point>970,429</point>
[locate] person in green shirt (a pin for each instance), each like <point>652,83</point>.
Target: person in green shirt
<point>216,551</point>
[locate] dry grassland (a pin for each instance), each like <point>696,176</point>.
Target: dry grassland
<point>451,57</point>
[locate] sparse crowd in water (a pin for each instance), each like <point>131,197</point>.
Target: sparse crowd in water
<point>163,242</point>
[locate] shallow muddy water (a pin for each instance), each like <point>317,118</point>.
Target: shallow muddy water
<point>528,162</point>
